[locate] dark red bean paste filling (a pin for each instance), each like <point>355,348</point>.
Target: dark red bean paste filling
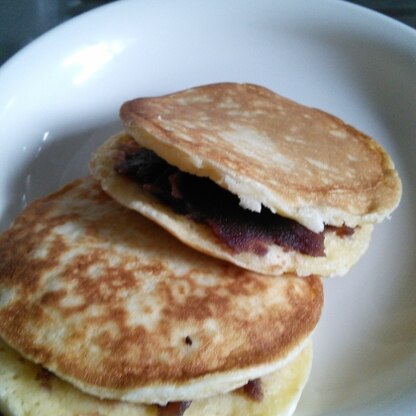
<point>203,201</point>
<point>254,390</point>
<point>174,408</point>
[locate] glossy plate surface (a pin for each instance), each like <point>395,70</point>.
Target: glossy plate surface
<point>59,98</point>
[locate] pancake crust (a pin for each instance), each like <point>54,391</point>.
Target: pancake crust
<point>341,253</point>
<point>110,302</point>
<point>298,161</point>
<point>27,389</point>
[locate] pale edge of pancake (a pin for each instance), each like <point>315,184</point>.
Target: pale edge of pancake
<point>192,390</point>
<point>26,390</point>
<point>341,252</point>
<point>385,196</point>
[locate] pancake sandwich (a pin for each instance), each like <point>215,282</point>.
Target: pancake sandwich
<point>245,175</point>
<point>102,312</point>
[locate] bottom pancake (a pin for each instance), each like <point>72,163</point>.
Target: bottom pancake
<point>28,389</point>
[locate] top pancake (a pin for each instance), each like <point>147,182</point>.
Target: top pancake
<point>298,161</point>
<point>113,304</point>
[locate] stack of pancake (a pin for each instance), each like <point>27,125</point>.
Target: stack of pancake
<point>184,276</point>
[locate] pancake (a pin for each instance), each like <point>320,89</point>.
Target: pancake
<point>26,389</point>
<point>299,162</point>
<point>341,252</point>
<point>111,303</point>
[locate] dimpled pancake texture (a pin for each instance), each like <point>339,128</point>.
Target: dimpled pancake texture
<point>110,302</point>
<point>341,253</point>
<point>298,161</point>
<point>27,389</point>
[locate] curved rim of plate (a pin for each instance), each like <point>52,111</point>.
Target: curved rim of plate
<point>70,24</point>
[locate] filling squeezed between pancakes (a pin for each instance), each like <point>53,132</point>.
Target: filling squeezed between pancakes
<point>203,201</point>
<point>253,390</point>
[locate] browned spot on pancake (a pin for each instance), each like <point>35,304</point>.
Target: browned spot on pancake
<point>17,244</point>
<point>199,308</point>
<point>188,340</point>
<point>53,297</point>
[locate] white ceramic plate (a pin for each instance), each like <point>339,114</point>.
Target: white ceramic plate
<point>59,99</point>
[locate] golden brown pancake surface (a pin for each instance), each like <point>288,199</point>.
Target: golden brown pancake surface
<point>110,302</point>
<point>298,161</point>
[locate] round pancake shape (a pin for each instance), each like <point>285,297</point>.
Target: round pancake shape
<point>110,302</point>
<point>27,389</point>
<point>297,161</point>
<point>341,253</point>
